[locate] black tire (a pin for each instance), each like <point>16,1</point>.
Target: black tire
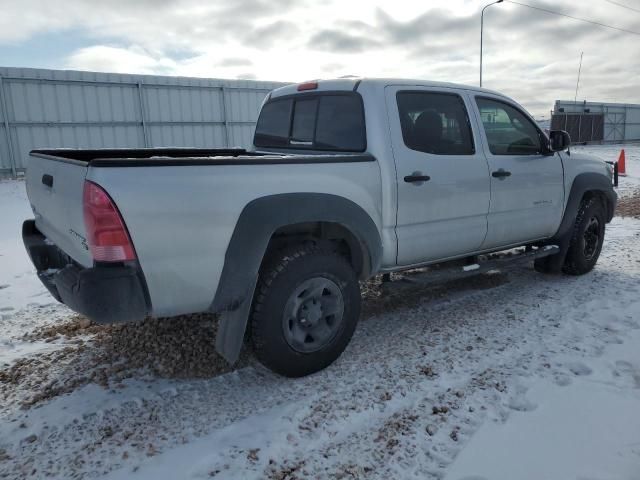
<point>587,238</point>
<point>279,284</point>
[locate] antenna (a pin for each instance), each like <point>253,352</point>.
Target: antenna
<point>575,98</point>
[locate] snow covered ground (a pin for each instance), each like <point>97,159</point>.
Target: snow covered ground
<point>19,288</point>
<point>509,375</point>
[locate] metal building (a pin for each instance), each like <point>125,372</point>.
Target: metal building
<point>60,108</point>
<point>597,122</point>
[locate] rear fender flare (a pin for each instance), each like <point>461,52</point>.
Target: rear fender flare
<point>256,225</point>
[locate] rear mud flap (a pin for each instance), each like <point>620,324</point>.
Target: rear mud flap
<point>232,327</point>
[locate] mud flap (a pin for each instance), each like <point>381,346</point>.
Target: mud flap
<point>231,328</point>
<point>553,263</point>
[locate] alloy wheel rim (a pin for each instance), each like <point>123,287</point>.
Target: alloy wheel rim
<point>591,238</point>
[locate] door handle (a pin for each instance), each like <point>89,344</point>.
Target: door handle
<point>417,178</point>
<point>47,180</point>
<point>501,174</point>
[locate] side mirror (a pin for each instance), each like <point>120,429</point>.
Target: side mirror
<point>559,140</point>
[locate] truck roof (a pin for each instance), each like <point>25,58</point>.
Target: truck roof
<point>350,83</point>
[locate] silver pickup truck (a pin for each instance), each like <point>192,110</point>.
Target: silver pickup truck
<point>348,178</point>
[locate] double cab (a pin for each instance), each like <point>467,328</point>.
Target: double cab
<point>347,178</point>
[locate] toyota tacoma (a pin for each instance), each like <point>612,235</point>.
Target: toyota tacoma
<point>348,178</point>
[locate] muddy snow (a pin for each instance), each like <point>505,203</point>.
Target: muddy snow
<point>507,375</point>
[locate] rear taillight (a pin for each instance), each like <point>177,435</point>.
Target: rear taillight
<point>106,234</point>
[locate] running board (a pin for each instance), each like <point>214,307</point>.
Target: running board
<point>494,262</point>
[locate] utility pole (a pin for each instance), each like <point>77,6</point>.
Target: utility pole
<point>481,31</point>
<point>575,98</point>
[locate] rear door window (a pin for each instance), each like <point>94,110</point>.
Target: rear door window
<point>332,122</point>
<point>435,122</point>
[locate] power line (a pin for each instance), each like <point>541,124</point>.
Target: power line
<point>623,6</point>
<point>574,18</point>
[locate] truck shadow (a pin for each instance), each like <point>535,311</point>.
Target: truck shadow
<point>401,292</point>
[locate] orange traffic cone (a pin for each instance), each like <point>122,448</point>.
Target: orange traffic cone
<point>622,168</point>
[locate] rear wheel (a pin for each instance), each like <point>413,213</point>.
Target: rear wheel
<point>305,310</point>
<point>588,236</point>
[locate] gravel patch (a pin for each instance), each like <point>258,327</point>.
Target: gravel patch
<point>629,206</point>
<point>180,347</point>
<point>177,348</point>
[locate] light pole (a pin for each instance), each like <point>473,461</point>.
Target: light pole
<point>481,28</point>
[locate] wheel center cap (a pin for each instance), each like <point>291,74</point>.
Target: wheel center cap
<point>310,313</point>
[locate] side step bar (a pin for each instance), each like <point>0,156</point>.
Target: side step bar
<point>493,262</point>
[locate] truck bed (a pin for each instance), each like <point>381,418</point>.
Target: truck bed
<point>180,217</point>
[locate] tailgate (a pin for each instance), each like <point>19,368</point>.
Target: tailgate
<point>55,190</point>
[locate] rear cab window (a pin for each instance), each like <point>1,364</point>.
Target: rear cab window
<point>330,121</point>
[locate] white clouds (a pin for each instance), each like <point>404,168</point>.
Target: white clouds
<point>119,60</point>
<point>529,55</point>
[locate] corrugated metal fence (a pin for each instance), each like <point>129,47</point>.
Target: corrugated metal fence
<point>54,108</point>
<point>582,127</point>
<point>597,122</point>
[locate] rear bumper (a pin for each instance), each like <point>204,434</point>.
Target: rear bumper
<point>103,293</point>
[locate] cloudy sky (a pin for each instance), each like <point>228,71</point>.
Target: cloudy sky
<point>530,55</point>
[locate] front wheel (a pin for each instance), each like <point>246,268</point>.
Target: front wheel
<point>305,310</point>
<point>587,238</point>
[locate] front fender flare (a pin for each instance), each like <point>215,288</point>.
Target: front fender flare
<point>582,184</point>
